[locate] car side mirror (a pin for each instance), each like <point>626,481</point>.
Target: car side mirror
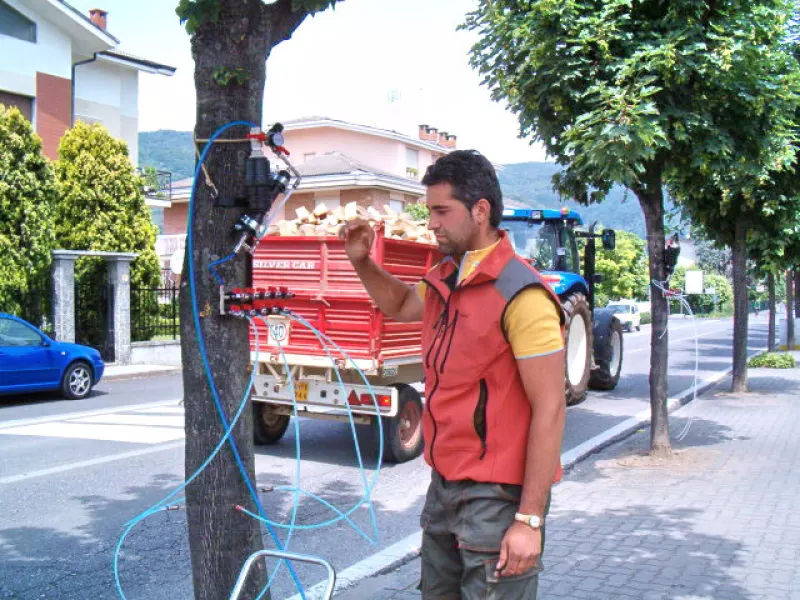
<point>609,238</point>
<point>45,342</point>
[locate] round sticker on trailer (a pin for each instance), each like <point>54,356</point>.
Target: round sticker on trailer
<point>278,332</point>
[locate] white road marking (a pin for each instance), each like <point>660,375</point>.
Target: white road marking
<point>88,463</point>
<point>149,406</point>
<point>147,425</point>
<point>133,434</point>
<point>149,420</point>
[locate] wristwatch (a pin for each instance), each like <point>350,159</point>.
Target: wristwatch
<point>534,521</point>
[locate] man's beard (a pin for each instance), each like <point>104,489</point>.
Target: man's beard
<point>447,248</point>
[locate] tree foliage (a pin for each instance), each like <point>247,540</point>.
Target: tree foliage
<point>629,93</point>
<point>102,207</point>
<point>418,211</point>
<point>711,258</point>
<point>27,197</point>
<point>196,13</point>
<point>624,270</point>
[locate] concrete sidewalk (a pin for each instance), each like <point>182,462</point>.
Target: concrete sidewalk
<point>114,371</point>
<point>720,519</point>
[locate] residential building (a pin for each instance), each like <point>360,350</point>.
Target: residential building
<point>59,65</point>
<point>339,163</point>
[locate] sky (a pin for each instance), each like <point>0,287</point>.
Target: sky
<point>393,64</point>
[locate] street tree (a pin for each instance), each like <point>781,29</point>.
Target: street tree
<point>727,187</point>
<point>617,92</point>
<point>772,252</point>
<point>101,206</point>
<point>27,198</point>
<point>230,44</point>
<point>797,287</point>
<point>791,299</point>
<point>771,307</point>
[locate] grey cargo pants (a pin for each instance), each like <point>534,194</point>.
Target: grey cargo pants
<point>463,525</point>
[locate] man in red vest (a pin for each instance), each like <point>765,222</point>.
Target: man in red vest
<point>493,358</point>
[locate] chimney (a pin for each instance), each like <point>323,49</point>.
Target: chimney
<point>451,141</point>
<point>99,17</point>
<point>442,138</point>
<point>424,133</point>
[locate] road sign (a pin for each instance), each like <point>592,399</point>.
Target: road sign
<point>694,282</point>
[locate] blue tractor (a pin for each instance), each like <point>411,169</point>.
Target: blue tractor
<point>548,240</point>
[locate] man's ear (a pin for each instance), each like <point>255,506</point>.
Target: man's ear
<point>481,211</point>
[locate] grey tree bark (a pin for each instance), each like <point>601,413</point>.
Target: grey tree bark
<point>740,314</point>
<point>796,288</point>
<point>790,302</point>
<point>651,199</point>
<point>771,318</point>
<point>229,53</point>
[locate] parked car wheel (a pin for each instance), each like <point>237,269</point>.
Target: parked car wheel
<point>77,381</point>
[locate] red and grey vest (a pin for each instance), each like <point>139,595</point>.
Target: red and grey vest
<point>477,414</point>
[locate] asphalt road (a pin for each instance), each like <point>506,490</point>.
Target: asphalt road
<point>69,482</point>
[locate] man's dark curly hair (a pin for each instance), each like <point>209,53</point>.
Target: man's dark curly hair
<point>472,176</point>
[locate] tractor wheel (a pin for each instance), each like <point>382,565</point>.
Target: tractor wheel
<point>607,357</point>
<point>578,347</point>
<point>268,426</point>
<point>402,435</point>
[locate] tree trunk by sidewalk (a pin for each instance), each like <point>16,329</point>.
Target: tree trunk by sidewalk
<point>796,291</point>
<point>790,301</point>
<point>229,51</point>
<point>771,322</point>
<point>740,314</point>
<point>651,199</point>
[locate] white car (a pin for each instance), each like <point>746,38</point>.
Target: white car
<point>627,311</point>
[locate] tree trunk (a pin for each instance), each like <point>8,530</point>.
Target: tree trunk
<point>790,302</point>
<point>771,323</point>
<point>651,200</point>
<point>234,46</point>
<point>740,314</point>
<point>796,289</point>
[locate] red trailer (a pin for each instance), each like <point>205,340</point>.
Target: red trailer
<point>328,294</point>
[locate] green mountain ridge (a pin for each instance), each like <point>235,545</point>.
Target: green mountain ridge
<point>167,150</point>
<point>528,183</point>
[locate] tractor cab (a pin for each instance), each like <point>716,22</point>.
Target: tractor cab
<point>548,239</point>
<point>544,237</point>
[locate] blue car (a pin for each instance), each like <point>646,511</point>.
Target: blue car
<point>32,362</point>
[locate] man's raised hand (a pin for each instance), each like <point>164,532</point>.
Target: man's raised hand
<point>358,236</point>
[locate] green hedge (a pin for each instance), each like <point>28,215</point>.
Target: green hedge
<point>773,360</point>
